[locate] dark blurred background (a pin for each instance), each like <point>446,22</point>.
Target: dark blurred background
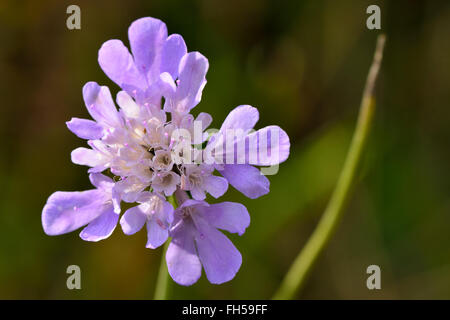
<point>303,64</point>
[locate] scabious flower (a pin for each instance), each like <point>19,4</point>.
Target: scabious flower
<point>152,147</point>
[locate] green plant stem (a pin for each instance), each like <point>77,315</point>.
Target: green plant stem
<point>163,280</point>
<point>302,265</point>
<point>162,283</point>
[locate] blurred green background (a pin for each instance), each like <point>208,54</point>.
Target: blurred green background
<point>303,64</point>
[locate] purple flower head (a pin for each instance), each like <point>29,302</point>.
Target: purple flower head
<point>154,148</point>
<point>196,241</point>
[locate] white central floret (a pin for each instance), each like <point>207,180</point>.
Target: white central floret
<point>143,153</point>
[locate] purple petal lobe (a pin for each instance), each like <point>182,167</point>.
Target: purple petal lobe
<point>87,157</point>
<point>68,211</point>
<point>127,105</point>
<point>164,86</point>
<point>147,37</point>
<point>102,227</point>
<point>118,64</point>
<point>102,182</point>
<point>133,220</point>
<point>242,117</point>
<point>100,104</point>
<point>182,261</point>
<point>246,179</point>
<point>174,49</point>
<point>216,186</point>
<point>267,146</point>
<point>220,258</point>
<point>192,72</point>
<point>198,193</point>
<point>205,119</point>
<point>159,222</point>
<point>230,216</point>
<point>85,129</point>
<point>157,233</point>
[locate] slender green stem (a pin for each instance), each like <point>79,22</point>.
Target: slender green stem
<point>300,269</point>
<point>163,280</point>
<point>162,283</point>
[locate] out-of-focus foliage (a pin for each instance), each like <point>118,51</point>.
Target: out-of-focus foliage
<point>303,64</point>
